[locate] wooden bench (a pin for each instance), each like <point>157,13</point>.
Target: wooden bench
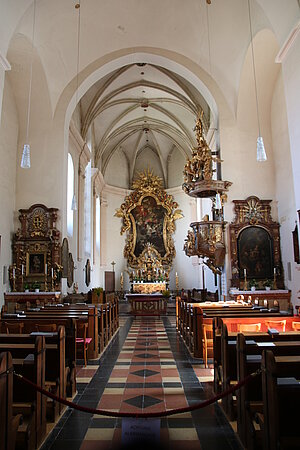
<point>55,371</point>
<point>86,313</point>
<point>281,397</point>
<point>227,367</point>
<point>70,342</point>
<point>8,423</point>
<point>249,397</point>
<point>28,358</point>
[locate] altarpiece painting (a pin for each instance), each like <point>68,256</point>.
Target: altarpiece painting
<point>149,215</point>
<point>254,243</point>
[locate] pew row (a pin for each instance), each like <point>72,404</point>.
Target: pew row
<point>8,423</point>
<point>69,324</point>
<point>28,359</point>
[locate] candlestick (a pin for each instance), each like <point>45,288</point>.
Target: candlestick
<point>274,280</point>
<point>245,280</point>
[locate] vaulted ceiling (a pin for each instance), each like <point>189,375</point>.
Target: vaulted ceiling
<point>141,109</point>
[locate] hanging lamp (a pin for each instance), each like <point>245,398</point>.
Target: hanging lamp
<point>25,160</point>
<point>260,148</point>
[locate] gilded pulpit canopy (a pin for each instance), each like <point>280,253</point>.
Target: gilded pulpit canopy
<point>149,215</point>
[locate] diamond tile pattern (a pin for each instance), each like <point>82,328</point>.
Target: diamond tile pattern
<point>150,349</point>
<point>146,356</point>
<point>144,373</point>
<point>143,401</point>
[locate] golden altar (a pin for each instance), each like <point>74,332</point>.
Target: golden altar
<point>148,288</point>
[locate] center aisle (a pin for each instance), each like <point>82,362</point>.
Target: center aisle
<point>146,368</point>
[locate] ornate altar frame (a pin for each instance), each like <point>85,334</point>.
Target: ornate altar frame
<point>36,249</point>
<point>256,214</point>
<point>149,186</point>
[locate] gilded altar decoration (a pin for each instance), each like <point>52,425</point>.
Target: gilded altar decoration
<point>36,249</point>
<point>148,216</point>
<point>255,244</point>
<point>206,238</point>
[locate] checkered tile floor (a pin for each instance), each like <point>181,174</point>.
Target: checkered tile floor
<point>145,369</point>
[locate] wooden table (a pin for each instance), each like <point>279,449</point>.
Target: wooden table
<point>147,304</point>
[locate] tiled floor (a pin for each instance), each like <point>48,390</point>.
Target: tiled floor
<point>145,369</point>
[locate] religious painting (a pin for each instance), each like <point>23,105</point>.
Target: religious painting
<point>87,272</point>
<point>255,253</point>
<point>149,215</point>
<point>149,221</point>
<point>35,264</point>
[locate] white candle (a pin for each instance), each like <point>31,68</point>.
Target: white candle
<point>274,270</point>
<point>14,272</point>
<point>46,267</point>
<point>22,269</point>
<point>52,272</point>
<point>245,272</point>
<point>176,275</point>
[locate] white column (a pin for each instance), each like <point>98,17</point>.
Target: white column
<point>103,231</point>
<point>4,66</point>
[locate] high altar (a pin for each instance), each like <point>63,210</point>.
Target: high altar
<point>148,216</point>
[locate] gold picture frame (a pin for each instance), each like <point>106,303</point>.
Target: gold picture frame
<point>149,215</point>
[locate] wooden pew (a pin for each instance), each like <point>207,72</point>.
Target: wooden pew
<point>54,365</point>
<point>281,397</point>
<point>87,313</point>
<point>70,342</point>
<point>8,423</point>
<point>249,397</point>
<point>28,357</point>
<point>228,364</point>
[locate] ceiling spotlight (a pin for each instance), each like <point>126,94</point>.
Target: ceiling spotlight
<point>142,73</point>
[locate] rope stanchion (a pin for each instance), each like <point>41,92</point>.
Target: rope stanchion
<point>170,412</point>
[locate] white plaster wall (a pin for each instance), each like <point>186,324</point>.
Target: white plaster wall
<point>175,168</point>
<point>116,173</point>
<point>114,241</point>
<point>291,77</point>
<point>148,159</point>
<point>8,147</point>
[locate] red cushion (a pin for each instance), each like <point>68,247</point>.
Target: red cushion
<point>81,340</point>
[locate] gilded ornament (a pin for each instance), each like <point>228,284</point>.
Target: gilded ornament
<point>148,215</point>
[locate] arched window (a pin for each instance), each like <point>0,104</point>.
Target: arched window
<point>87,210</point>
<point>70,194</point>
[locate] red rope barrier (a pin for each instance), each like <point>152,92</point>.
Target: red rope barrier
<point>141,415</point>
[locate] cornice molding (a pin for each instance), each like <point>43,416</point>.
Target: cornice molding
<point>288,43</point>
<point>116,190</point>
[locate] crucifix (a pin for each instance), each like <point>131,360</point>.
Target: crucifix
<point>113,266</point>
